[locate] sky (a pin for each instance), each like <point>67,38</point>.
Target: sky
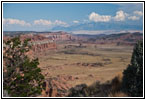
<point>45,16</point>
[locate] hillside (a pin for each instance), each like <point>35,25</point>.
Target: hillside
<point>119,39</point>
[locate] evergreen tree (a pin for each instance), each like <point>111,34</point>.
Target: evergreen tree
<point>133,75</point>
<point>22,78</point>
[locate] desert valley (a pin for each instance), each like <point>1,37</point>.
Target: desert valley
<point>73,49</point>
<point>68,60</point>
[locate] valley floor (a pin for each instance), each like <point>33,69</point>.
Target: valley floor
<point>85,64</point>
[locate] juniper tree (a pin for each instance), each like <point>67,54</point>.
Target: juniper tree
<point>133,75</point>
<point>22,78</point>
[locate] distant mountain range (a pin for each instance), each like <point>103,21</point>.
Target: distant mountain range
<point>101,26</point>
<point>119,39</point>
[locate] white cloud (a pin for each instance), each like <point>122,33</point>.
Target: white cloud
<point>42,22</point>
<point>75,21</point>
<point>133,18</point>
<point>60,23</point>
<point>99,18</point>
<point>120,16</point>
<point>50,23</point>
<point>10,21</point>
<point>139,13</point>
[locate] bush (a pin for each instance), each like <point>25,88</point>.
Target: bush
<point>95,90</point>
<point>133,75</point>
<point>22,77</point>
<point>78,91</point>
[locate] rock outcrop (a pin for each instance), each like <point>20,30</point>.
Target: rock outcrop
<point>56,87</point>
<point>39,42</point>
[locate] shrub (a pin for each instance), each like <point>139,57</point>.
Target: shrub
<point>79,91</point>
<point>95,90</point>
<point>22,77</point>
<point>133,75</point>
<point>116,83</point>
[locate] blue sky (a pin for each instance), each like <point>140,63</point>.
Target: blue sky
<point>43,16</point>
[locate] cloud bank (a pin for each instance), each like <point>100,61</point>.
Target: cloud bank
<point>10,21</point>
<point>39,22</point>
<point>120,16</point>
<point>50,23</point>
<point>42,22</point>
<point>99,18</point>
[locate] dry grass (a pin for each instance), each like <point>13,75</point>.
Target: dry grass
<point>58,63</point>
<point>116,85</point>
<point>118,94</point>
<point>117,82</point>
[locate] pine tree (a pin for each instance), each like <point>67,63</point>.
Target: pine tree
<point>133,75</point>
<point>22,78</point>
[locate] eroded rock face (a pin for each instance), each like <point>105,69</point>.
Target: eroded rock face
<point>42,47</point>
<point>39,42</point>
<point>59,36</point>
<point>44,41</point>
<point>56,87</point>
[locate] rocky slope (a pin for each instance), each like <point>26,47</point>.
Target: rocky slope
<point>57,86</point>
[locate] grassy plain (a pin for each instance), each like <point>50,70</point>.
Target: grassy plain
<point>89,63</point>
